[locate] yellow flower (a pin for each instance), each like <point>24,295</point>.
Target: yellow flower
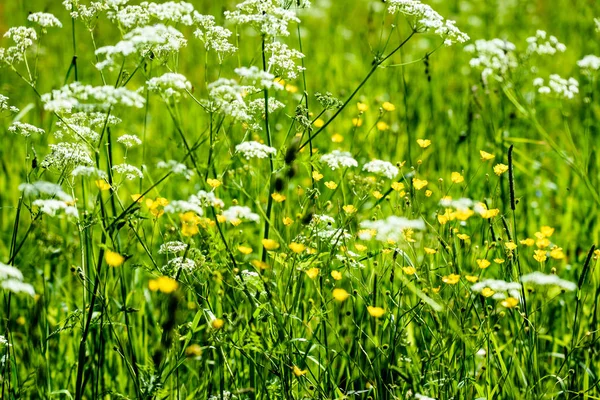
<point>356,122</point>
<point>287,221</point>
<point>436,289</point>
<point>387,106</point>
<point>499,169</point>
<point>362,107</point>
<point>259,264</point>
<point>382,126</point>
<point>349,209</point>
<point>472,278</point>
<point>319,123</point>
<point>483,263</point>
<point>543,243</point>
<point>337,275</point>
<point>193,350</point>
<point>498,260</point>
<point>270,244</point>
<point>398,186</point>
<point>299,372</point>
<point>113,259</point>
<point>137,197</point>
<point>331,185</point>
<point>221,218</point>
<point>217,323</point>
<point>409,270</point>
<point>485,156</point>
<point>245,249</point>
<point>557,253</point>
<point>376,312</point>
<point>510,245</point>
<point>278,197</point>
<point>337,138</point>
<point>297,247</point>
<point>377,194</point>
<point>527,242</point>
<point>487,214</point>
<point>317,176</point>
<point>540,255</point>
<point>547,231</point>
<point>189,223</point>
<point>487,292</point>
<point>424,143</point>
<point>213,183</point>
<point>312,273</point>
<point>419,184</point>
<point>102,184</point>
<point>360,247</point>
<point>463,236</point>
<point>456,177</point>
<point>291,88</point>
<point>163,284</point>
<point>510,302</point>
<point>340,294</point>
<point>451,279</point>
<point>428,193</point>
<point>430,250</point>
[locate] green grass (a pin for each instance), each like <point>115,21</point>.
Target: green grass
<point>97,331</point>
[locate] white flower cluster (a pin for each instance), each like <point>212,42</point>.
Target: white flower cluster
<point>213,36</point>
<point>182,263</point>
<point>240,214</point>
<point>427,19</point>
<point>254,149</point>
<point>172,247</point>
<point>43,188</point>
<point>178,12</point>
<point>380,167</point>
<point>540,279</point>
<point>44,20</point>
<point>227,96</point>
<point>281,60</point>
<point>390,228</point>
<point>501,288</point>
<point>258,78</point>
<point>538,44</point>
<point>266,16</point>
<point>84,125</point>
<point>11,279</point>
<point>339,159</point>
<point>589,64</point>
<point>94,172</point>
<point>560,87</point>
<point>23,38</point>
<point>159,39</point>
<point>131,172</point>
<point>492,57</point>
<point>129,140</point>
<point>67,155</point>
<point>58,201</point>
<point>77,96</point>
<point>461,204</point>
<point>169,86</point>
<point>4,106</point>
<point>194,203</point>
<point>24,129</point>
<point>177,168</point>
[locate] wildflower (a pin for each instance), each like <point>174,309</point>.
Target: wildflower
<point>4,106</point>
<point>317,176</point>
<point>77,96</point>
<point>451,279</point>
<point>102,184</point>
<point>463,236</point>
<point>362,107</point>
<point>349,209</point>
<point>213,183</point>
<point>337,138</point>
<point>170,86</point>
<point>560,87</point>
<point>266,16</point>
<point>397,186</point>
<point>339,159</point>
<point>557,253</point>
<point>131,172</point>
<point>319,123</point>
<point>23,38</point>
<point>287,221</point>
<point>163,284</point>
<point>527,242</point>
<point>510,246</point>
<point>312,272</point>
<point>260,264</point>
<point>419,184</point>
<point>510,302</point>
<point>485,156</point>
<point>541,279</point>
<point>24,129</point>
<point>129,140</point>
<point>499,260</point>
<point>176,168</point>
<point>471,278</point>
<point>387,106</point>
<point>270,244</point>
<point>217,323</point>
<point>377,194</point>
<point>245,249</point>
<point>193,350</point>
<point>113,259</point>
<point>424,143</point>
<point>430,250</point>
<point>487,292</point>
<point>297,247</point>
<point>540,45</point>
<point>540,255</point>
<point>44,20</point>
<point>65,156</point>
<point>337,275</point>
<point>390,228</point>
<point>409,270</point>
<point>340,294</point>
<point>456,177</point>
<point>376,312</point>
<point>493,57</point>
<point>214,37</point>
<point>254,150</point>
<point>357,122</point>
<point>382,126</point>
<point>282,60</point>
<point>360,247</point>
<point>299,372</point>
<point>499,169</point>
<point>380,167</point>
<point>589,64</point>
<point>278,197</point>
<point>240,214</point>
<point>547,231</point>
<point>331,185</point>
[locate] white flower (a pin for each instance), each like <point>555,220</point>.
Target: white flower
<point>90,98</point>
<point>67,155</point>
<point>23,38</point>
<point>589,64</point>
<point>4,106</point>
<point>131,172</point>
<point>213,36</point>
<point>266,16</point>
<point>339,159</point>
<point>180,263</point>
<point>25,129</point>
<point>560,87</point>
<point>254,150</point>
<point>10,272</point>
<point>45,20</point>
<point>177,168</point>
<point>172,247</point>
<point>493,58</point>
<point>380,167</point>
<point>83,170</point>
<point>16,286</point>
<point>227,96</point>
<point>541,279</point>
<point>169,86</point>
<point>129,140</point>
<point>539,45</point>
<point>427,19</point>
<point>52,207</point>
<point>461,204</point>
<point>240,213</point>
<point>281,60</point>
<point>392,227</point>
<point>259,78</point>
<point>43,188</point>
<point>496,285</point>
<point>183,206</point>
<point>209,199</point>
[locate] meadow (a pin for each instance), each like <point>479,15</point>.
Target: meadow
<point>273,199</point>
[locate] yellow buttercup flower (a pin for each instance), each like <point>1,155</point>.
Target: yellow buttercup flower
<point>349,209</point>
<point>297,247</point>
<point>409,270</point>
<point>319,123</point>
<point>260,264</point>
<point>317,176</point>
<point>472,278</point>
<point>278,197</point>
<point>163,284</point>
<point>387,106</point>
<point>382,126</point>
<point>217,323</point>
<point>485,156</point>
<point>557,253</point>
<point>483,263</point>
<point>451,279</point>
<point>419,184</point>
<point>424,143</point>
<point>362,107</point>
<point>113,259</point>
<point>331,185</point>
<point>487,292</point>
<point>547,231</point>
<point>337,138</point>
<point>499,169</point>
<point>213,183</point>
<point>376,312</point>
<point>102,184</point>
<point>398,186</point>
<point>527,242</point>
<point>510,302</point>
<point>356,122</point>
<point>456,177</point>
<point>287,221</point>
<point>270,244</point>
<point>510,245</point>
<point>312,273</point>
<point>337,275</point>
<point>299,372</point>
<point>245,249</point>
<point>340,294</point>
<point>540,255</point>
<point>430,250</point>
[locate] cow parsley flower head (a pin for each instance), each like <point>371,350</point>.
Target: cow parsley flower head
<point>4,106</point>
<point>52,207</point>
<point>17,286</point>
<point>339,159</point>
<point>24,129</point>
<point>44,189</point>
<point>169,86</point>
<point>86,171</point>
<point>558,86</point>
<point>589,64</point>
<point>390,229</point>
<point>23,38</point>
<point>254,150</point>
<point>176,168</point>
<point>540,279</point>
<point>77,96</point>
<point>129,140</point>
<point>427,19</point>
<point>494,58</point>
<point>66,155</point>
<point>172,247</point>
<point>44,20</point>
<point>258,78</point>
<point>227,96</point>
<point>266,16</point>
<point>214,37</point>
<point>240,214</point>
<point>183,206</point>
<point>180,263</point>
<point>380,167</point>
<point>131,172</point>
<point>281,60</point>
<point>543,44</point>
